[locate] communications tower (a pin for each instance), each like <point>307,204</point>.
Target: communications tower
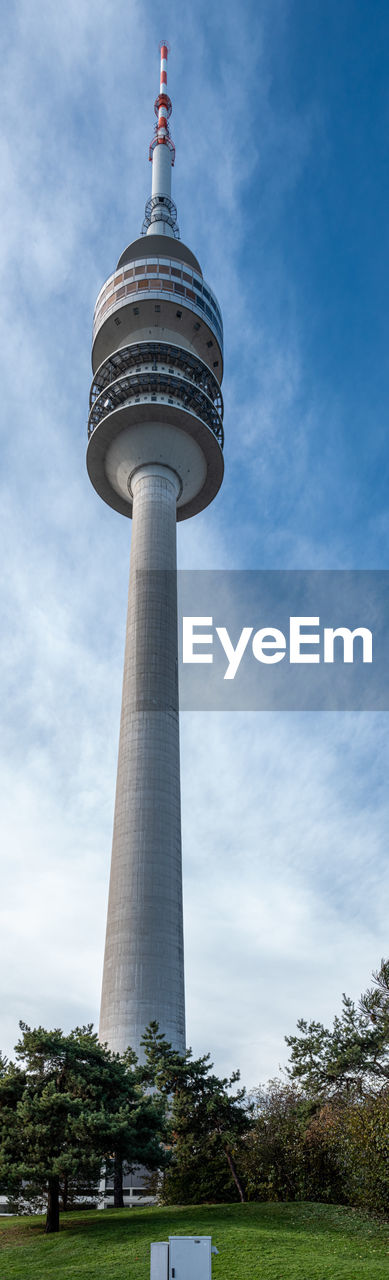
<point>154,454</point>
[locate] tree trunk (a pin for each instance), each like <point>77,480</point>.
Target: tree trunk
<point>234,1173</point>
<point>52,1216</point>
<point>118,1182</point>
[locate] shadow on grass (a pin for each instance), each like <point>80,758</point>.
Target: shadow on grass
<point>308,1217</point>
<point>117,1227</point>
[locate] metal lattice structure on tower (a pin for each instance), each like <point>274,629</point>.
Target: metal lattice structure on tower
<point>154,453</point>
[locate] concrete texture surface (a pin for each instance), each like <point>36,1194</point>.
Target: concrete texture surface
<point>143,975</point>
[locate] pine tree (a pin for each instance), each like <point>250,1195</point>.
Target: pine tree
<point>208,1124</point>
<point>352,1057</point>
<point>69,1106</point>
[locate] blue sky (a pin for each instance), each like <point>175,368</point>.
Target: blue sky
<point>280,119</point>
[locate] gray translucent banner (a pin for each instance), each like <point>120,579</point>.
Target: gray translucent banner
<point>270,615</point>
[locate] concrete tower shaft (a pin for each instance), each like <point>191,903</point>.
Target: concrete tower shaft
<point>144,955</point>
<point>155,453</point>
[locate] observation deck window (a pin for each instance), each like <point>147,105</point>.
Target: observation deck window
<point>157,276</point>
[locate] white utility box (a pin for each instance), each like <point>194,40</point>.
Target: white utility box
<point>190,1257</point>
<point>184,1258</point>
<point>159,1260</point>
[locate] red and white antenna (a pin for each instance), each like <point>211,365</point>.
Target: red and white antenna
<point>160,212</point>
<point>163,109</point>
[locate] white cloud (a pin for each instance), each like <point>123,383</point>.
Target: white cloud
<point>284,845</point>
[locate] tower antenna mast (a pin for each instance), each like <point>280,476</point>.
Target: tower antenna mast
<point>160,212</point>
<point>163,110</point>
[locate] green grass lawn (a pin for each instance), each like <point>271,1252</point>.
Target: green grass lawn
<point>256,1242</point>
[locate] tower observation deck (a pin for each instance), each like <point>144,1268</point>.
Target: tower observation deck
<point>155,453</point>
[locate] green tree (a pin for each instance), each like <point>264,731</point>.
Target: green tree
<point>12,1084</point>
<point>139,1126</point>
<point>69,1106</point>
<point>352,1057</point>
<point>363,1136</point>
<point>208,1124</point>
<point>274,1151</point>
